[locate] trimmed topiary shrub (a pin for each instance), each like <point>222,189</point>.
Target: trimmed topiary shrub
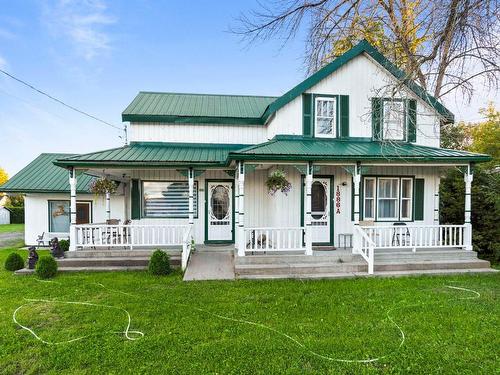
<point>159,263</point>
<point>46,267</point>
<point>14,262</point>
<point>64,244</point>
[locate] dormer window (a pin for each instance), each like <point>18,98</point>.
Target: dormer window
<point>393,126</point>
<point>325,117</point>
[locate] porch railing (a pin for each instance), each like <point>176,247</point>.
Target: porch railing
<point>274,239</point>
<point>132,235</point>
<point>365,247</point>
<point>186,247</point>
<point>416,236</point>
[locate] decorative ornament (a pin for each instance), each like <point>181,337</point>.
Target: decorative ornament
<point>337,200</point>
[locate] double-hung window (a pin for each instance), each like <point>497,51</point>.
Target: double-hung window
<point>168,199</point>
<point>369,198</point>
<point>393,124</point>
<point>325,117</point>
<point>388,198</point>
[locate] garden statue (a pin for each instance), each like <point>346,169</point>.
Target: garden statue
<point>56,250</point>
<point>32,257</point>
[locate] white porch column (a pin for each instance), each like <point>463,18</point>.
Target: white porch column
<point>241,209</point>
<point>356,178</point>
<point>468,177</point>
<point>72,228</point>
<point>191,197</point>
<point>108,205</point>
<point>436,202</point>
<point>308,221</point>
<point>236,207</point>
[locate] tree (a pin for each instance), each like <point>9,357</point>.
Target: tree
<point>483,137</point>
<point>444,45</point>
<point>3,176</point>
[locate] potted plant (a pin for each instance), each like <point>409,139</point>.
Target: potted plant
<point>277,181</point>
<point>102,186</point>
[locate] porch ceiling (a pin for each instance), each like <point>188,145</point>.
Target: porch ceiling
<point>290,147</point>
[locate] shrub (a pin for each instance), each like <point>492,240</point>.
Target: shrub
<point>64,244</point>
<point>46,267</point>
<point>14,262</point>
<point>159,264</point>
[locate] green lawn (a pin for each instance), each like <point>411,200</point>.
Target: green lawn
<point>7,228</point>
<point>187,329</point>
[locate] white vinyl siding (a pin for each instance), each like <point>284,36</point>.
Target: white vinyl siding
<point>325,117</point>
<point>168,199</point>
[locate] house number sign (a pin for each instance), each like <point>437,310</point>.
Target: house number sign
<point>337,200</point>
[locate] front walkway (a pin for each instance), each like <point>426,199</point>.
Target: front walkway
<point>210,265</point>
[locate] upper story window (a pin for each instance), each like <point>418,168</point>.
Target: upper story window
<point>325,117</point>
<point>393,124</point>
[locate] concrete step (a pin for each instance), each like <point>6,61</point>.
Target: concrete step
<point>402,265</point>
<point>102,262</point>
<point>293,259</point>
<point>102,269</point>
<point>435,272</point>
<point>299,268</point>
<point>117,253</point>
<point>435,254</point>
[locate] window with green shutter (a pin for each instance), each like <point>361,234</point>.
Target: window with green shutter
<point>394,119</point>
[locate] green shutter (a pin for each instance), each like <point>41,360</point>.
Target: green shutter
<point>352,199</point>
<point>419,199</point>
<point>307,115</point>
<point>344,116</point>
<point>412,120</point>
<point>377,115</point>
<point>135,197</point>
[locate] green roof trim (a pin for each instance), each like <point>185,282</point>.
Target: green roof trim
<point>366,47</point>
<point>197,108</point>
<point>42,176</point>
<point>300,148</point>
<point>154,155</point>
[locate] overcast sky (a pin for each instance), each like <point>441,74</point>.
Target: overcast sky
<point>96,55</point>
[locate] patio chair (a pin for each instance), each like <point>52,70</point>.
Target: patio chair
<point>400,238</point>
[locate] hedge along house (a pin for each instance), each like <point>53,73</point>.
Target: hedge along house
<point>364,168</point>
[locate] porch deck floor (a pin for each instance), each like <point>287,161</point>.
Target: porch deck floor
<point>210,265</point>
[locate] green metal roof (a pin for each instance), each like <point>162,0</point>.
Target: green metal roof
<point>197,108</point>
<point>42,176</point>
<point>255,110</point>
<point>155,154</point>
<point>289,147</point>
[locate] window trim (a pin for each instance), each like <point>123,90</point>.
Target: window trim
<point>195,201</point>
<point>405,120</point>
<point>89,202</point>
<point>335,127</point>
<point>410,199</point>
<point>399,218</point>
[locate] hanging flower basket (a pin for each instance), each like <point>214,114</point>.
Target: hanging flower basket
<point>102,186</point>
<point>277,182</point>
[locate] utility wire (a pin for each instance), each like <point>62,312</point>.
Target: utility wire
<point>59,101</point>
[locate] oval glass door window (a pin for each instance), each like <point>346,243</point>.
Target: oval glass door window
<point>219,202</point>
<point>318,200</point>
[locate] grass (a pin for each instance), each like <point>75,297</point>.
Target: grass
<point>337,318</point>
<point>8,228</point>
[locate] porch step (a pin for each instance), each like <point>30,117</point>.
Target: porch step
<point>298,269</point>
<point>122,253</point>
<point>333,257</point>
<point>102,269</point>
<point>103,262</point>
<point>418,265</point>
<point>429,255</point>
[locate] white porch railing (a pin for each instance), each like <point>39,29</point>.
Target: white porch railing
<point>186,247</point>
<point>132,235</point>
<point>365,247</point>
<point>416,236</point>
<point>274,239</point>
